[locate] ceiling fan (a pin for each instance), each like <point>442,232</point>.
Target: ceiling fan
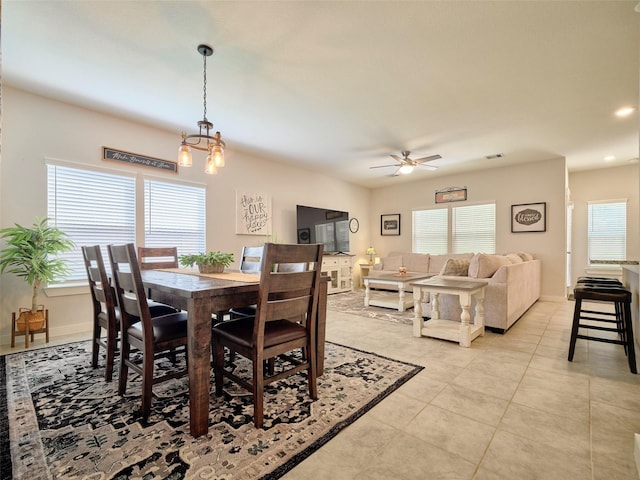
<point>405,164</point>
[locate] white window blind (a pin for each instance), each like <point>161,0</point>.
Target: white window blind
<point>174,215</point>
<point>607,230</point>
<point>430,231</point>
<point>473,228</point>
<point>93,208</point>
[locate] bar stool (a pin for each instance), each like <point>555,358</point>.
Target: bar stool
<point>619,322</point>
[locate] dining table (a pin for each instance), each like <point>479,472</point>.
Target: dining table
<point>204,295</point>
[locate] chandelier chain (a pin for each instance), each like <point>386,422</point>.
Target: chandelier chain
<point>204,88</point>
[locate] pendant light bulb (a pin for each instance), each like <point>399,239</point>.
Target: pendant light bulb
<point>184,156</point>
<point>211,168</point>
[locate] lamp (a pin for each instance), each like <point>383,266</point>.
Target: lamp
<point>371,252</point>
<point>404,169</point>
<point>203,140</point>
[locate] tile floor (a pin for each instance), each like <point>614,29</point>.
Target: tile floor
<point>511,407</point>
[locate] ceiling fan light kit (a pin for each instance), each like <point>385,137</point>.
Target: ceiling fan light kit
<point>203,140</point>
<point>406,165</point>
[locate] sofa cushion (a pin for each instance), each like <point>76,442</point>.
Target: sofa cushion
<point>456,266</point>
<point>514,257</point>
<point>393,263</point>
<point>525,256</point>
<point>416,262</point>
<point>484,265</point>
<point>437,262</point>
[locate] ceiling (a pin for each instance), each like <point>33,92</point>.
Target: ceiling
<point>338,86</point>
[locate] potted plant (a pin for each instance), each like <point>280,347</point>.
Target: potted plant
<point>211,262</point>
<point>30,254</point>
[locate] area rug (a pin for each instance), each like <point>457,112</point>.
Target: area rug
<point>65,421</point>
<point>353,302</point>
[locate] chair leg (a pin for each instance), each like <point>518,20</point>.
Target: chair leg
<point>112,340</point>
<point>631,352</point>
<point>125,349</point>
<point>218,365</point>
<point>258,392</point>
<point>574,328</point>
<point>13,329</point>
<point>96,346</point>
<point>147,383</point>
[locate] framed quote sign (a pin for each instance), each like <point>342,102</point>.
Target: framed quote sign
<point>390,224</point>
<point>529,217</point>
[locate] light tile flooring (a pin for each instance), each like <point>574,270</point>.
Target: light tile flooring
<point>510,407</point>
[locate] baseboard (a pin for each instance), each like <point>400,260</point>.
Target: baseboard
<point>636,451</point>
<point>552,298</point>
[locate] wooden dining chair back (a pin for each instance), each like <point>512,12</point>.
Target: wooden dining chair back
<point>105,312</point>
<point>284,294</point>
<point>251,259</point>
<point>155,337</point>
<point>152,258</point>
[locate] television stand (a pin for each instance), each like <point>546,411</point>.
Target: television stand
<point>338,267</point>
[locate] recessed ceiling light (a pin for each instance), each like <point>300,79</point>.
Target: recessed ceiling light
<point>624,111</point>
<point>609,158</point>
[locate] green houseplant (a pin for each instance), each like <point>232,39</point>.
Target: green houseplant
<point>211,262</point>
<point>30,253</point>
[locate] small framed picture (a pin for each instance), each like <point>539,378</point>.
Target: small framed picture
<point>390,224</point>
<point>529,217</point>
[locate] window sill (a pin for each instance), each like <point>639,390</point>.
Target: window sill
<point>65,289</point>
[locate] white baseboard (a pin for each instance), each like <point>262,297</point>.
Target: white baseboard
<point>552,298</point>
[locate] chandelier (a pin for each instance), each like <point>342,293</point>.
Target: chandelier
<point>203,140</point>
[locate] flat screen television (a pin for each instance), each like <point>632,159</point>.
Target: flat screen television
<point>320,225</point>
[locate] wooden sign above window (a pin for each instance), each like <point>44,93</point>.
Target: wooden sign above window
<point>451,194</point>
<point>139,160</point>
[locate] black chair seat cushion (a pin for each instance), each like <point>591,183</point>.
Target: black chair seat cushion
<point>275,332</point>
<point>159,309</point>
<point>165,328</point>
<point>602,293</point>
<point>249,311</point>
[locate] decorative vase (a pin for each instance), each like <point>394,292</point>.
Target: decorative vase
<point>215,268</point>
<point>35,319</point>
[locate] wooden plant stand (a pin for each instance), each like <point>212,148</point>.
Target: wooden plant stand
<point>26,332</point>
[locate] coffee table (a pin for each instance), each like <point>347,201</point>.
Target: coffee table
<point>458,331</point>
<point>388,299</point>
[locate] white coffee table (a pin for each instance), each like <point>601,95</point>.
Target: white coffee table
<point>460,331</point>
<point>388,299</point>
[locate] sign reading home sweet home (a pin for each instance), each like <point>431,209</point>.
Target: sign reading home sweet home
<point>140,160</point>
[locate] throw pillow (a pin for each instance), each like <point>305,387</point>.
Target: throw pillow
<point>456,267</point>
<point>514,257</point>
<point>483,265</point>
<point>525,256</point>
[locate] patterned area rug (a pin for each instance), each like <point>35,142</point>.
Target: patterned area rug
<point>65,421</point>
<point>353,302</point>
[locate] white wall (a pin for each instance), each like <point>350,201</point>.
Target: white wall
<point>75,134</point>
<point>605,184</point>
<point>527,183</point>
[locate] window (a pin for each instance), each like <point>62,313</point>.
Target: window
<point>469,228</point>
<point>607,230</point>
<point>174,215</point>
<point>92,208</point>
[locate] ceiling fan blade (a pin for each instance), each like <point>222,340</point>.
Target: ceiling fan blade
<point>384,166</point>
<point>428,167</point>
<point>396,157</point>
<point>396,173</point>
<point>427,159</point>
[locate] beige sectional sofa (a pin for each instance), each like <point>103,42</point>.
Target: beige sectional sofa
<point>514,281</point>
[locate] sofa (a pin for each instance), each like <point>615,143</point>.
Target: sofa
<point>514,282</point>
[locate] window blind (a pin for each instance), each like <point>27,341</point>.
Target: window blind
<point>607,230</point>
<point>92,208</point>
<point>473,228</point>
<point>174,215</point>
<point>430,231</point>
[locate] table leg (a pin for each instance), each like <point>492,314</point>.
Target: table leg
<point>418,321</point>
<point>401,296</point>
<point>199,355</point>
<point>479,317</point>
<point>435,306</point>
<point>366,292</point>
<point>465,317</point>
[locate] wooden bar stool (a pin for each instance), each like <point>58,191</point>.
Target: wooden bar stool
<point>604,321</point>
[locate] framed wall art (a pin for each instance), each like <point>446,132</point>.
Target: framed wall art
<point>253,213</point>
<point>529,217</point>
<point>390,224</point>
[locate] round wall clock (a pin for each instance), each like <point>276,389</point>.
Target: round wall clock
<point>354,225</point>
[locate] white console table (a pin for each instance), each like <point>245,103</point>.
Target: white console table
<point>338,268</point>
<point>456,331</point>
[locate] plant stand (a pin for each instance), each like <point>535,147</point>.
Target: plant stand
<point>15,332</point>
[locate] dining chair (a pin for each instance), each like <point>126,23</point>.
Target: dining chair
<point>106,313</point>
<point>151,258</point>
<point>251,261</point>
<point>154,337</point>
<point>283,294</point>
